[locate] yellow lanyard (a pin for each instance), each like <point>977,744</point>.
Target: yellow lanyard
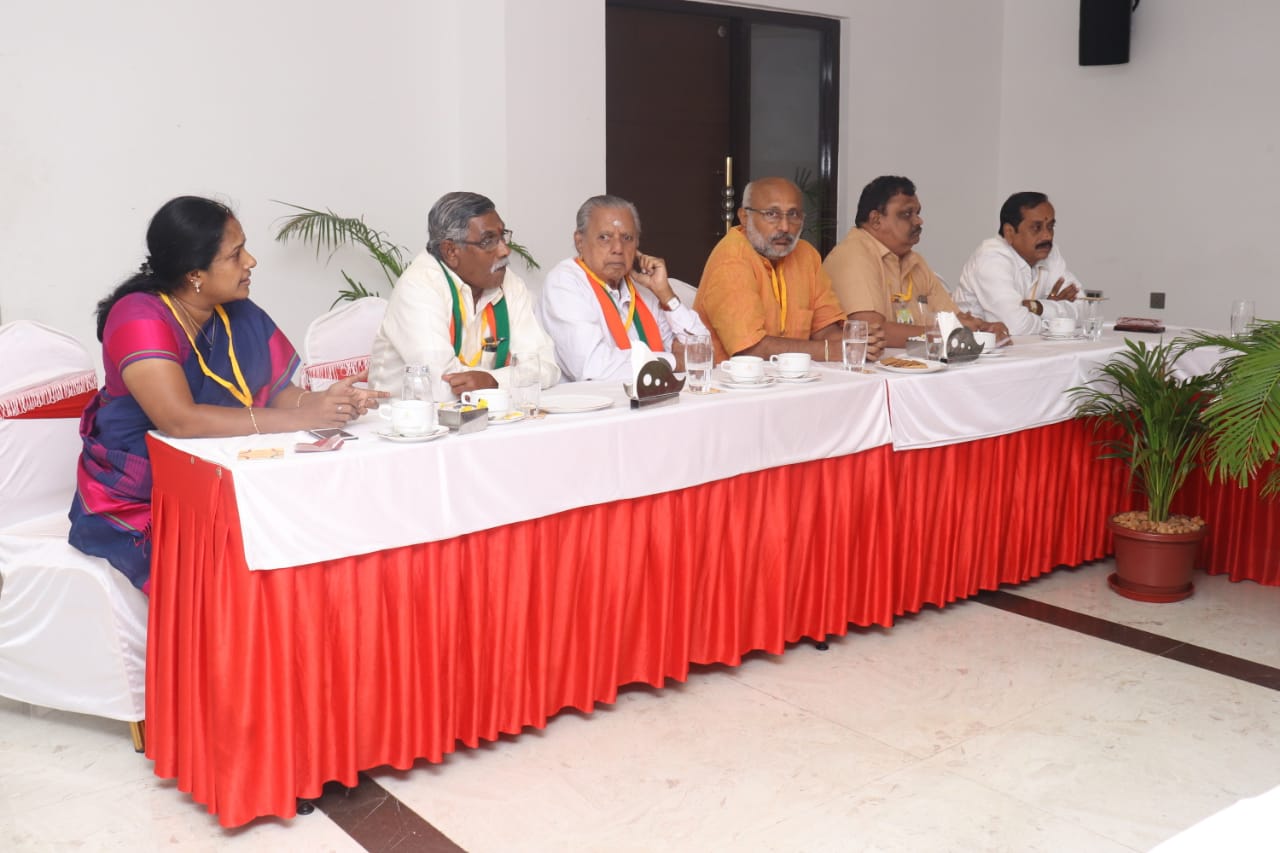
<point>779,283</point>
<point>631,288</point>
<point>903,313</point>
<point>242,392</point>
<point>486,316</point>
<point>1035,285</point>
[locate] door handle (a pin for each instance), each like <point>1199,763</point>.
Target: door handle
<point>727,202</point>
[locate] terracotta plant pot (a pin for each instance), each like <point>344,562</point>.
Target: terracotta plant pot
<point>1155,567</point>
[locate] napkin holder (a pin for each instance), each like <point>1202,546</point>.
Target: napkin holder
<point>462,419</point>
<point>961,347</point>
<point>656,384</point>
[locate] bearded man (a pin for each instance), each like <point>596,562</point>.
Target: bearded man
<point>763,290</point>
<point>458,308</point>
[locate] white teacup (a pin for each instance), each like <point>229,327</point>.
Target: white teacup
<point>409,417</point>
<point>1062,326</point>
<point>987,339</point>
<point>744,368</point>
<point>497,400</point>
<point>791,364</point>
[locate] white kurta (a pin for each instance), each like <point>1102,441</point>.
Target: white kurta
<point>585,348</point>
<point>996,279</point>
<point>415,329</point>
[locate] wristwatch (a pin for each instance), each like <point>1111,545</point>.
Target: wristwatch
<point>672,304</point>
<point>1035,307</point>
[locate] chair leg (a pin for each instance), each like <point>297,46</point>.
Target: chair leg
<point>139,732</point>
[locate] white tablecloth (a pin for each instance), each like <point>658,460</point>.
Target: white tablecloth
<point>373,494</point>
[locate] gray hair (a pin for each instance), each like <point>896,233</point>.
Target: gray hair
<point>450,218</point>
<point>596,202</point>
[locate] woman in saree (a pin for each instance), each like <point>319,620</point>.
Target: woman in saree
<point>185,352</point>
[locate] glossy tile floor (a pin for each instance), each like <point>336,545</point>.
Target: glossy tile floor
<point>1091,724</point>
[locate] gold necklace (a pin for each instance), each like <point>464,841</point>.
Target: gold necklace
<point>194,325</point>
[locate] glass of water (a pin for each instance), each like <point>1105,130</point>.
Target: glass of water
<point>855,344</point>
<point>1241,317</point>
<point>698,358</point>
<point>1093,319</point>
<point>417,386</point>
<point>526,382</point>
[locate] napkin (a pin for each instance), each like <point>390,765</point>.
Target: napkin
<point>947,323</point>
<point>640,356</point>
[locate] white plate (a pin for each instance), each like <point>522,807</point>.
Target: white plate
<point>435,433</point>
<point>747,386</point>
<point>567,404</point>
<point>929,367</point>
<point>508,418</point>
<point>811,376</point>
<point>1074,336</point>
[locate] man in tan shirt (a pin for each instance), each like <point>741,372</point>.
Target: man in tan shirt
<point>879,277</point>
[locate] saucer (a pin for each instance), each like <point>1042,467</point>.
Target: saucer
<point>509,418</point>
<point>1074,336</point>
<point>811,376</point>
<point>995,353</point>
<point>431,435</point>
<point>742,386</point>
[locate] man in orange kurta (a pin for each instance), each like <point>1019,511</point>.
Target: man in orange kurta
<point>763,290</point>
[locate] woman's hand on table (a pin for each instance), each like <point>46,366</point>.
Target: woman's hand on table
<point>340,403</point>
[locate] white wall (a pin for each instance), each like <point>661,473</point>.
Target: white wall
<point>1163,171</point>
<point>107,111</point>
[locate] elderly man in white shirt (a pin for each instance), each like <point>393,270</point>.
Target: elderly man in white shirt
<point>458,308</point>
<point>1019,278</point>
<point>591,305</point>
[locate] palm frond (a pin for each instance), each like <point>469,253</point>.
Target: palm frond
<point>1244,419</point>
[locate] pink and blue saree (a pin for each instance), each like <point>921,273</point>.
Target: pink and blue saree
<point>111,512</point>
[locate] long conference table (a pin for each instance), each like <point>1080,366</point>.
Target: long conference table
<point>320,614</point>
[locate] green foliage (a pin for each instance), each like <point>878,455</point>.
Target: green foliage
<point>1158,413</point>
<point>1244,420</point>
<point>330,232</point>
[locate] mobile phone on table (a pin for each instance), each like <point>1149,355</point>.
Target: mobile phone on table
<point>329,432</point>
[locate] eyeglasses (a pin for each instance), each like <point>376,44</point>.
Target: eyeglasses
<point>489,242</point>
<point>773,216</point>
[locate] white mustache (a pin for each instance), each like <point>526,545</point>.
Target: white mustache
<point>499,264</point>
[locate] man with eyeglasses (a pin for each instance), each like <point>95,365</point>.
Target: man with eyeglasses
<point>458,308</point>
<point>763,290</point>
<point>880,278</point>
<point>596,305</point>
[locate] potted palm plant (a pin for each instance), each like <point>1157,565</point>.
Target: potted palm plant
<point>1155,420</point>
<point>1243,421</point>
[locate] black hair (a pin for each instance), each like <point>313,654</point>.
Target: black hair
<point>184,235</point>
<point>876,195</point>
<point>1011,210</point>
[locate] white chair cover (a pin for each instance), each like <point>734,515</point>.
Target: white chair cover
<point>684,290</point>
<point>340,341</point>
<point>72,629</point>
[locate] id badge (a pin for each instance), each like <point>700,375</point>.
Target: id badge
<point>903,313</point>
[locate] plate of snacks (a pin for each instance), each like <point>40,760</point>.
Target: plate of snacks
<point>898,364</point>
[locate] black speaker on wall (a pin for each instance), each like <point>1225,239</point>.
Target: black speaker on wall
<point>1104,31</point>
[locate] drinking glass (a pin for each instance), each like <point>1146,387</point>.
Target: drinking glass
<point>417,386</point>
<point>855,344</point>
<point>1093,319</point>
<point>1241,317</point>
<point>526,382</point>
<point>698,359</point>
